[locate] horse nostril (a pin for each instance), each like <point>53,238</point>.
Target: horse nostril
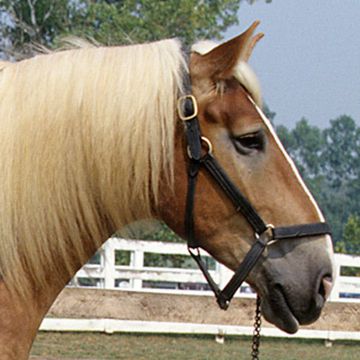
<point>326,286</point>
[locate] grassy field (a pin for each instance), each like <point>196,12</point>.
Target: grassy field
<point>166,347</point>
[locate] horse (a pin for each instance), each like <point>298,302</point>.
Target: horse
<point>91,141</point>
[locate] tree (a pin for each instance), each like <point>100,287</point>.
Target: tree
<point>23,22</point>
<point>131,21</point>
<point>341,155</point>
<point>352,235</point>
<point>350,243</point>
<point>329,161</point>
<point>308,144</point>
<point>287,139</point>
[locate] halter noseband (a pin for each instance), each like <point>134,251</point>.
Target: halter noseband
<point>264,233</point>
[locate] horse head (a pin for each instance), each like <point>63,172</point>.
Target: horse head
<point>294,276</point>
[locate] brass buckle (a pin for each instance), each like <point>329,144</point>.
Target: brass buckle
<point>180,107</point>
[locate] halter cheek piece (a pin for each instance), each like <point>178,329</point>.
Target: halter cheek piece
<point>264,233</point>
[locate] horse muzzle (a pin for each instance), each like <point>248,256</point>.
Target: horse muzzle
<point>294,292</point>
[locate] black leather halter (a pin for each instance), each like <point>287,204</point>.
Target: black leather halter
<point>264,233</point>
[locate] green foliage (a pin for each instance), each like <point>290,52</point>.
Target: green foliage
<point>162,232</point>
<point>131,21</point>
<point>166,260</point>
<point>352,235</point>
<point>341,153</point>
<point>122,257</point>
<point>44,22</point>
<point>23,22</point>
<point>340,247</point>
<point>329,161</point>
<point>308,143</point>
<point>286,137</point>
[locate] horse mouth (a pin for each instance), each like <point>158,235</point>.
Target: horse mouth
<point>276,310</point>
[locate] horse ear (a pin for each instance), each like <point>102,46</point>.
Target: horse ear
<point>221,60</point>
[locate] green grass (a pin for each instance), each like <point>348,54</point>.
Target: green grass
<point>180,347</point>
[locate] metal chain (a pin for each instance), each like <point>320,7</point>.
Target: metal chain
<point>256,333</point>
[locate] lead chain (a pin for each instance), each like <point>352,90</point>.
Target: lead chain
<point>256,333</point>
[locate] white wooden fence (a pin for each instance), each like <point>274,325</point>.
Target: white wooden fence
<point>105,272</point>
<point>127,264</point>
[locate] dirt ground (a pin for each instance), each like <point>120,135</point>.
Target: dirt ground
<point>130,305</point>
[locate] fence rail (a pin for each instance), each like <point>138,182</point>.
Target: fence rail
<point>128,264</point>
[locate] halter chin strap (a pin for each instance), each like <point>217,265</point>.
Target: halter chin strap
<point>264,233</point>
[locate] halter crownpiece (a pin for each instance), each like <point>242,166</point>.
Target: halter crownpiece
<point>264,233</point>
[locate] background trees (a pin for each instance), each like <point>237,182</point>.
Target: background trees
<point>23,22</point>
<point>329,161</point>
<point>32,21</point>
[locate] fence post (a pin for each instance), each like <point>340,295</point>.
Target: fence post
<point>335,293</point>
<point>109,265</point>
<point>137,262</point>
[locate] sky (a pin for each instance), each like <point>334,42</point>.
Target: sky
<point>308,63</point>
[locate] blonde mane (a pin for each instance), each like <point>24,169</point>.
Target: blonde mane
<point>85,136</point>
<point>3,64</point>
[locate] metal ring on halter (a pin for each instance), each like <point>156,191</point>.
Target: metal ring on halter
<point>269,231</point>
<point>208,144</point>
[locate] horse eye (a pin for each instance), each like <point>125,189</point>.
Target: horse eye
<point>249,143</point>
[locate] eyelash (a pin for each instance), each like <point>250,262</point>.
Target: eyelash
<point>249,143</point>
